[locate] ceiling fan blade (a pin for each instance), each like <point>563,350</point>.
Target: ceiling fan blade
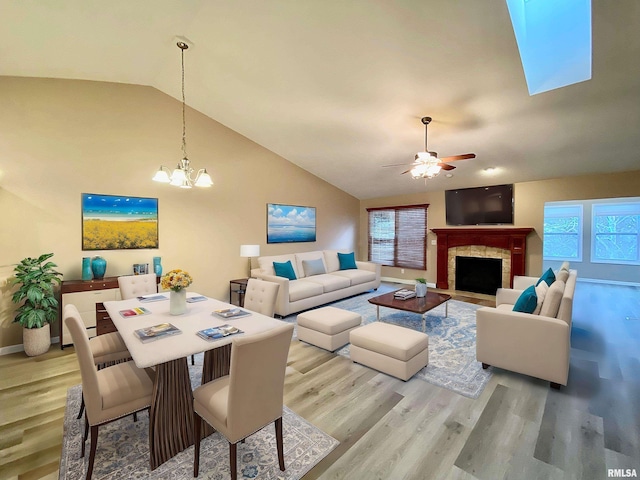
<point>398,164</point>
<point>465,156</point>
<point>406,171</point>
<point>444,166</point>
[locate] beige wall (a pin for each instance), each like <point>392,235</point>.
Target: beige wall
<point>60,138</point>
<point>529,199</point>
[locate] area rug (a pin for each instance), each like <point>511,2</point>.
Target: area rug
<point>452,340</point>
<point>123,449</point>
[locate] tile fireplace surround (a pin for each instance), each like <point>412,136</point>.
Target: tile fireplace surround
<point>507,243</point>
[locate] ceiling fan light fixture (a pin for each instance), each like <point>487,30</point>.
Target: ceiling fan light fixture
<point>427,167</point>
<point>426,164</point>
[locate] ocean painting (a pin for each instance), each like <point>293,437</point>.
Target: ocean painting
<point>111,222</point>
<point>290,223</point>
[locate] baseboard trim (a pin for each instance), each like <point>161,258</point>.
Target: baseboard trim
<point>404,281</point>
<point>20,347</point>
<point>11,349</point>
<point>607,282</point>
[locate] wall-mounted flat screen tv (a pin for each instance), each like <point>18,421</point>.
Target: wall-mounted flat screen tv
<point>480,205</point>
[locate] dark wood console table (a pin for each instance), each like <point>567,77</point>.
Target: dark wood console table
<point>89,297</point>
<point>513,239</point>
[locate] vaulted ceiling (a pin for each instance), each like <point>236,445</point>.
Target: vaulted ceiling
<point>339,87</point>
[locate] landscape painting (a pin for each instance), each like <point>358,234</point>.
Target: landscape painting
<point>111,222</point>
<point>290,223</point>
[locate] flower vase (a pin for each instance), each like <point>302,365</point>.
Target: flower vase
<point>421,290</point>
<point>178,302</point>
<point>98,267</point>
<point>157,266</point>
<point>87,273</point>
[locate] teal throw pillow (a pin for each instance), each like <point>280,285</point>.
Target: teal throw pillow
<point>547,277</point>
<point>347,261</point>
<point>284,269</point>
<point>527,301</point>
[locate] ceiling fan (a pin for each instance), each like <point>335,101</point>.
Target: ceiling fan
<point>427,164</point>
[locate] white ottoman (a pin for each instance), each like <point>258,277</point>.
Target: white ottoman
<point>327,327</point>
<point>397,351</point>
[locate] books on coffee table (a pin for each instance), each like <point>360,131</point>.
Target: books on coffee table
<point>215,333</point>
<point>404,294</point>
<point>156,332</point>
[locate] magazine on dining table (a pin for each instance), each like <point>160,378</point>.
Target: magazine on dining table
<point>134,312</point>
<point>215,333</point>
<point>152,298</point>
<point>231,313</point>
<point>156,332</point>
<point>197,298</point>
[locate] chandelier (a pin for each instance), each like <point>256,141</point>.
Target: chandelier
<point>427,164</point>
<point>182,175</point>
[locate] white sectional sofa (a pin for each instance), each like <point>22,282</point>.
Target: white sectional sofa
<point>308,291</point>
<point>533,344</point>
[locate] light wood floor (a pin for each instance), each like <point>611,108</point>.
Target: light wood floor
<point>388,429</point>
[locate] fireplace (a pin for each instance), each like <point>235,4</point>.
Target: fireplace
<point>506,243</point>
<point>479,275</point>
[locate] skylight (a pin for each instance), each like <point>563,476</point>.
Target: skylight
<point>554,40</point>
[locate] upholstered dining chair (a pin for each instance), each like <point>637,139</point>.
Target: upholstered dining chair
<point>250,397</point>
<point>106,349</point>
<point>110,393</point>
<point>260,296</point>
<point>132,286</point>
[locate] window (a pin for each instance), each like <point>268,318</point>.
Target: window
<point>615,233</point>
<point>562,232</point>
<point>398,236</point>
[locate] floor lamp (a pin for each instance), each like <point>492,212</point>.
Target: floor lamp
<point>249,251</point>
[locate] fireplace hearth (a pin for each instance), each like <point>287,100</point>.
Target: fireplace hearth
<point>479,275</point>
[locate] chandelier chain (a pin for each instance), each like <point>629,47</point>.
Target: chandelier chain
<point>184,122</point>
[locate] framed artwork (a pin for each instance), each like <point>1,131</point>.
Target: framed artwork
<point>290,223</point>
<point>111,222</point>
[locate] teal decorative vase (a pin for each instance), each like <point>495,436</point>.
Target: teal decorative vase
<point>98,267</point>
<point>157,266</point>
<point>87,274</point>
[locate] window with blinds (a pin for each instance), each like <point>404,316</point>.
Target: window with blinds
<point>398,236</point>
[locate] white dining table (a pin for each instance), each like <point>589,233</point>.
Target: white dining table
<point>171,412</point>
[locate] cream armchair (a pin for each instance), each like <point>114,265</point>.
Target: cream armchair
<point>536,345</point>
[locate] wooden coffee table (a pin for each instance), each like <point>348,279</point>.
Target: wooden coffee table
<point>416,305</point>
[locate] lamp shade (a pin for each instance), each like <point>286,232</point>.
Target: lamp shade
<point>249,250</point>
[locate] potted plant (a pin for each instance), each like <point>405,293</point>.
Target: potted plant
<point>421,287</point>
<point>36,278</point>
